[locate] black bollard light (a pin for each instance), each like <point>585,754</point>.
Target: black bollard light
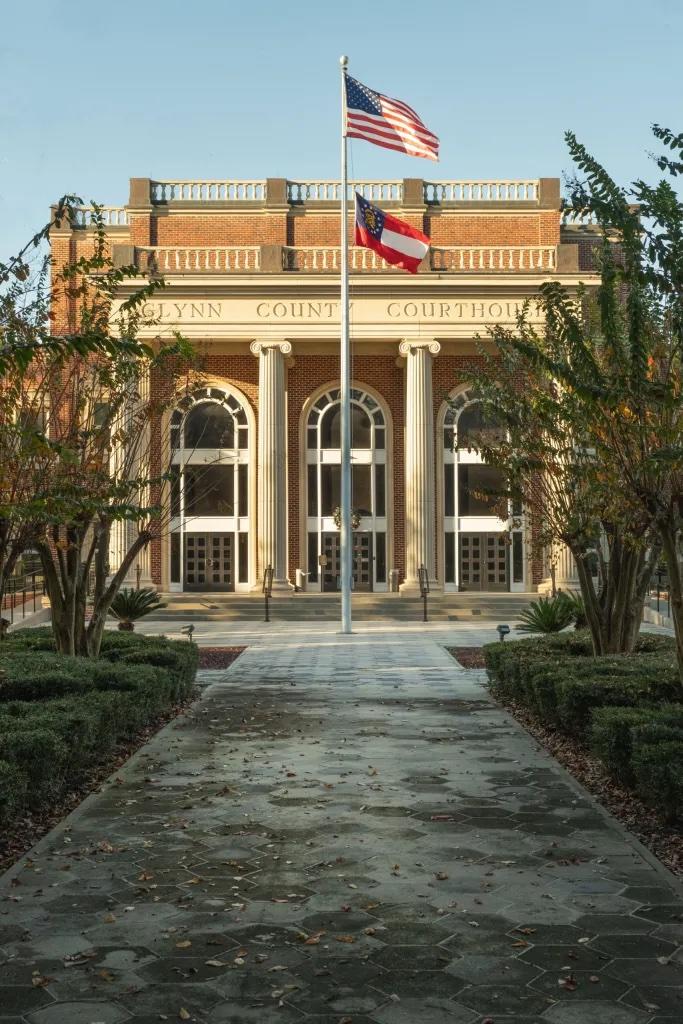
<point>502,631</point>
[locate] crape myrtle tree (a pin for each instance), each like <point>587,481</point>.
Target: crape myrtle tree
<point>599,425</point>
<point>86,455</point>
<point>548,461</point>
<point>32,357</point>
<point>635,413</point>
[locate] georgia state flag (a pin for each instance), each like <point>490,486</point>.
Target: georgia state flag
<point>394,240</point>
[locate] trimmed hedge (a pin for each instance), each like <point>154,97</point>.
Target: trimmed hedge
<point>627,707</point>
<point>617,732</point>
<point>658,771</point>
<point>59,715</point>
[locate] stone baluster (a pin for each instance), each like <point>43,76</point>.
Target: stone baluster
<point>420,522</point>
<point>272,458</point>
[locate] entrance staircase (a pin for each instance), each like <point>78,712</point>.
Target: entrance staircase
<point>307,607</point>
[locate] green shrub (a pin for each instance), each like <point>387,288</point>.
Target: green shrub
<point>616,732</point>
<point>547,615</point>
<point>41,754</point>
<point>658,771</point>
<point>13,788</point>
<point>129,605</point>
<point>60,715</point>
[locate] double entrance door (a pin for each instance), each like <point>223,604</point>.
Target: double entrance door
<point>209,561</point>
<point>362,561</point>
<point>483,561</point>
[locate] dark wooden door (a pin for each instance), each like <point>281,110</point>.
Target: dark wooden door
<point>483,561</point>
<point>209,561</point>
<point>362,561</point>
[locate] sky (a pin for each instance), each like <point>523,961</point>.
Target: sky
<point>93,94</point>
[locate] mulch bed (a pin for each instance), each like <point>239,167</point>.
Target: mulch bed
<point>664,841</point>
<point>468,657</point>
<point>27,831</point>
<point>218,657</point>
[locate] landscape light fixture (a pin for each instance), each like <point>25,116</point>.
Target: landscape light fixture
<point>502,631</point>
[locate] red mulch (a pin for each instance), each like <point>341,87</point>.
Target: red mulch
<point>468,657</point>
<point>218,657</point>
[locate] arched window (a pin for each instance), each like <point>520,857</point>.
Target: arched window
<point>368,488</point>
<point>210,419</point>
<point>476,513</point>
<point>209,433</point>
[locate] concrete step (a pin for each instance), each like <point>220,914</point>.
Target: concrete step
<point>326,607</point>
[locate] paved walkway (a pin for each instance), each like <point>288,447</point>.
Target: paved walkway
<point>344,829</point>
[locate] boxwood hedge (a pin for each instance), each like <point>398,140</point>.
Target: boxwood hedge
<point>59,715</point>
<point>627,708</point>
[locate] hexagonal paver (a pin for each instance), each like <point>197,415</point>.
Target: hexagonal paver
<point>412,958</point>
<point>22,998</point>
<point>638,946</point>
<point>79,1013</point>
<point>579,985</point>
<point>612,924</point>
<point>661,913</point>
<point>242,1012</point>
<point>600,1012</point>
<point>648,972</point>
<point>177,969</point>
<point>554,958</point>
<point>431,1010</point>
<point>496,1000</point>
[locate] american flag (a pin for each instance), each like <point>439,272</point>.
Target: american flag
<point>386,122</point>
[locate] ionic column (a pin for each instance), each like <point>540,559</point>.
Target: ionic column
<point>420,524</point>
<point>566,575</point>
<point>272,458</point>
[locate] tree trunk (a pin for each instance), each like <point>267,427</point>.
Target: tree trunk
<point>105,593</point>
<point>669,535</point>
<point>615,614</point>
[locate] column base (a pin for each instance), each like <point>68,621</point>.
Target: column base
<point>572,585</point>
<point>279,586</point>
<point>411,588</point>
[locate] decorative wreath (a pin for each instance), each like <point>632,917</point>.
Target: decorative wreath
<point>355,518</point>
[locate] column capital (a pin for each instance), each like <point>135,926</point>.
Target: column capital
<point>256,347</point>
<point>408,345</point>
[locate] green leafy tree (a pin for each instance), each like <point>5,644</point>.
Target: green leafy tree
<point>77,456</point>
<point>596,431</point>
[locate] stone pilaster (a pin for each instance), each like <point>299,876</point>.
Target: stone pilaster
<point>420,522</point>
<point>272,458</point>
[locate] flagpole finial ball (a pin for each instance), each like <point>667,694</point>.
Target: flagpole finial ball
<point>344,61</point>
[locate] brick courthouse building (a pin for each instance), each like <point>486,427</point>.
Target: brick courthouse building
<point>252,275</point>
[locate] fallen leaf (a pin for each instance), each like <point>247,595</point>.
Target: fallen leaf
<point>569,983</point>
<point>440,876</point>
<point>183,1014</point>
<point>39,980</point>
<point>214,963</point>
<point>185,944</point>
<point>345,938</point>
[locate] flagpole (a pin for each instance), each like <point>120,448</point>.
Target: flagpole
<point>345,374</point>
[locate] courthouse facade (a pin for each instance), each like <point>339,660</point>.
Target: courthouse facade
<point>252,278</point>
